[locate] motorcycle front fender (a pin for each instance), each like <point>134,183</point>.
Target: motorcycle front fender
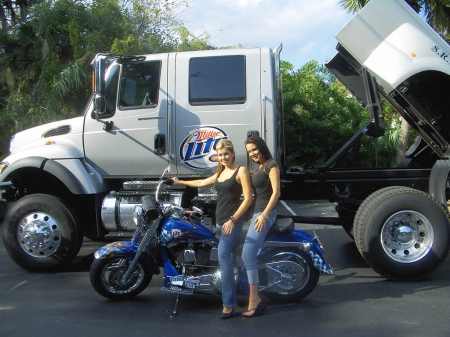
<point>127,249</point>
<point>305,242</point>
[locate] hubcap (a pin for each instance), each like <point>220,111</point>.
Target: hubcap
<point>287,273</point>
<point>407,236</point>
<point>39,235</point>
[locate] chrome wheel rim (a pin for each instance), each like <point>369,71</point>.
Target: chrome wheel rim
<point>407,236</point>
<point>39,234</point>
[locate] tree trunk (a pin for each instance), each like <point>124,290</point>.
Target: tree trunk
<point>402,141</point>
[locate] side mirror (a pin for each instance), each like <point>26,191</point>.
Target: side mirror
<point>98,85</point>
<point>99,104</point>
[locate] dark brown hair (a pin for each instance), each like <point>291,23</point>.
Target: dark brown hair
<point>262,147</point>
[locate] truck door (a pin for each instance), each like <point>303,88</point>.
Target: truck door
<point>217,96</point>
<point>136,104</point>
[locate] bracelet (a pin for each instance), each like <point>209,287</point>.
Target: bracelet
<point>233,220</point>
<point>264,217</point>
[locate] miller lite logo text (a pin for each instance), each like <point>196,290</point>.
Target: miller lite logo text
<point>198,149</point>
<point>175,233</point>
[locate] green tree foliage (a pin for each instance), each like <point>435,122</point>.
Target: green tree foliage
<point>150,27</point>
<point>13,12</point>
<point>321,116</point>
<point>46,47</point>
<point>189,41</point>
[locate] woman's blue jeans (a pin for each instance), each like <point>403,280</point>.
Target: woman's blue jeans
<point>253,243</point>
<point>226,246</point>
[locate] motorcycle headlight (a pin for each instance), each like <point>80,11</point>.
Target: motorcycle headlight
<point>137,216</point>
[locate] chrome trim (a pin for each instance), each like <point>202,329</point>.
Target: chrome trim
<point>264,117</point>
<point>169,128</point>
<point>303,245</point>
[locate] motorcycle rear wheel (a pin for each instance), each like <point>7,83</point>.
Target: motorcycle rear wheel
<point>293,274</point>
<point>105,276</point>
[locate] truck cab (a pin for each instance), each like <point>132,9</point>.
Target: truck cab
<point>172,109</point>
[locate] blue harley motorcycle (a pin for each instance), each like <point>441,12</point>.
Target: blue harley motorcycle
<point>179,241</point>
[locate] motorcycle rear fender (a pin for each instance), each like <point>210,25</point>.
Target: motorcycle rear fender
<point>127,249</point>
<point>305,242</point>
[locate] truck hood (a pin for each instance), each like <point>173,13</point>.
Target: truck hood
<point>65,134</point>
<point>409,61</point>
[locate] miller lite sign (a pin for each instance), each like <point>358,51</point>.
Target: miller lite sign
<point>198,149</point>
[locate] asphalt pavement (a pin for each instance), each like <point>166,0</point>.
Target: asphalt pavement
<point>354,301</point>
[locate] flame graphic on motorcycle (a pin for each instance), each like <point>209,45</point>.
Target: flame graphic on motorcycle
<point>198,149</point>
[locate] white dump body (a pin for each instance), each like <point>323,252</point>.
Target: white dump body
<point>393,42</point>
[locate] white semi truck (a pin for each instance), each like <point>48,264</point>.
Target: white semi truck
<point>82,177</point>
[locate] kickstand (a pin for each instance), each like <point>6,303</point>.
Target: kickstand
<point>174,312</point>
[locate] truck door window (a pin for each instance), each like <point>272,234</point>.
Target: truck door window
<point>217,80</point>
<point>139,85</point>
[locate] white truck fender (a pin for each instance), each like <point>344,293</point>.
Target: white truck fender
<point>79,178</point>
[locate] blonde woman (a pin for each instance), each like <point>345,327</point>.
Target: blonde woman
<point>230,181</point>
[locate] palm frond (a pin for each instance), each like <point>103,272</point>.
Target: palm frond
<point>70,78</point>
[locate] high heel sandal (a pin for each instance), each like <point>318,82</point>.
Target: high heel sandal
<point>258,311</point>
<point>226,315</point>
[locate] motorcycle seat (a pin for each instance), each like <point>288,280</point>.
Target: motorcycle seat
<point>281,226</point>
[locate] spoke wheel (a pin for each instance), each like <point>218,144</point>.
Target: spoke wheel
<point>290,272</point>
<point>106,278</point>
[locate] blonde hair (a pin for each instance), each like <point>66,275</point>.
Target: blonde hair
<point>224,144</point>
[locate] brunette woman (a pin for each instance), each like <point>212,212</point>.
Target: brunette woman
<point>266,188</point>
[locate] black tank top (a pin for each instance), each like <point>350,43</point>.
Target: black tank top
<point>262,187</point>
<point>229,198</point>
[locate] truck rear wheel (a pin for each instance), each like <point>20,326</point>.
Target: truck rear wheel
<point>402,233</point>
<point>40,233</point>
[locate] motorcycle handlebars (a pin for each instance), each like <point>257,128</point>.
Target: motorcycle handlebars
<point>168,181</point>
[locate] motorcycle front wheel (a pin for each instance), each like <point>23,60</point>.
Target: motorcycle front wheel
<point>106,278</point>
<point>290,275</point>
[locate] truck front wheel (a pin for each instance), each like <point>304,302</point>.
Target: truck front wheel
<point>402,233</point>
<point>40,233</point>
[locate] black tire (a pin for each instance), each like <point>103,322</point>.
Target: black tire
<point>402,233</point>
<point>105,275</point>
<point>294,263</point>
<point>40,233</point>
